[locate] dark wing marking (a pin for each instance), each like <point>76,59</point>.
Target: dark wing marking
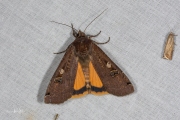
<point>80,91</point>
<point>61,86</point>
<point>114,80</point>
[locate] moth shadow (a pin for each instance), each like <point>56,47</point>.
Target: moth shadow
<point>49,73</point>
<point>120,66</point>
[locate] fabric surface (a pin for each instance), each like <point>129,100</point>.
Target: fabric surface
<point>138,32</point>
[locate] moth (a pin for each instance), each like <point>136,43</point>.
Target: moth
<point>56,116</point>
<point>86,69</point>
<point>169,47</point>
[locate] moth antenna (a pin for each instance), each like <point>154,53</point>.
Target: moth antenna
<point>95,19</point>
<point>74,32</point>
<point>103,42</point>
<point>64,24</point>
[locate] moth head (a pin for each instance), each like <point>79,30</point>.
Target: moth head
<point>82,46</point>
<point>80,34</point>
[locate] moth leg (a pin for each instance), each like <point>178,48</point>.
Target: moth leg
<point>63,51</point>
<point>103,42</point>
<point>90,36</point>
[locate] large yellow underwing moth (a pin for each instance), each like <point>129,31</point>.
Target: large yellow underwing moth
<point>169,47</point>
<point>85,69</point>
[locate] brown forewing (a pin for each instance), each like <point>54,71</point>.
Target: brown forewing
<point>169,47</point>
<point>59,91</point>
<point>119,84</point>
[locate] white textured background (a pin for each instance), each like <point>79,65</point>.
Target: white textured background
<point>138,31</point>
